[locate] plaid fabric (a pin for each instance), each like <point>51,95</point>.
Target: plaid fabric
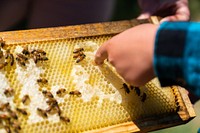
<point>177,55</point>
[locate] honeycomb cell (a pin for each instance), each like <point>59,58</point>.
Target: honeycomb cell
<point>102,103</point>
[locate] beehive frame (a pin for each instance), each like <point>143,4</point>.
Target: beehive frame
<point>109,28</point>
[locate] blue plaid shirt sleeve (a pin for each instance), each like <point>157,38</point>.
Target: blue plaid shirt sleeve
<point>177,55</point>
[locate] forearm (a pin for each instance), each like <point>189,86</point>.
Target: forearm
<point>177,55</point>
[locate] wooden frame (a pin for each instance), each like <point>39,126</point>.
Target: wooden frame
<point>112,28</point>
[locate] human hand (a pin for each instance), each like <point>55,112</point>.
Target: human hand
<point>170,10</point>
<point>131,53</point>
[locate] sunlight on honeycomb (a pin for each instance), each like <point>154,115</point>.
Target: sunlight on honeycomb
<point>103,103</point>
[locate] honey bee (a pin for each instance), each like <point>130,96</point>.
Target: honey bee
<point>7,128</point>
<point>35,59</point>
<point>1,53</point>
<point>2,107</point>
<point>52,109</point>
<point>25,51</point>
<point>126,88</point>
<point>61,92</point>
<point>41,51</point>
<point>22,111</point>
<point>42,80</point>
<point>52,102</point>
<point>5,107</point>
<point>25,99</point>
<point>58,110</point>
<point>47,94</point>
<point>80,58</point>
<point>77,54</point>
<point>43,58</point>
<point>2,43</point>
<point>49,109</point>
<point>144,97</point>
<point>7,53</point>
<point>13,114</point>
<point>78,50</point>
<point>132,87</point>
<point>11,59</point>
<point>64,119</point>
<point>137,90</point>
<point>2,65</point>
<point>23,57</point>
<point>9,56</point>
<point>42,112</point>
<point>178,108</point>
<point>76,92</point>
<point>9,92</point>
<point>4,116</point>
<point>33,51</point>
<point>16,125</point>
<point>20,61</point>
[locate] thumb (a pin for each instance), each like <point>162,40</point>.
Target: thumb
<point>101,54</point>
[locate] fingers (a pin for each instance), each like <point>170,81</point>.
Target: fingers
<point>144,15</point>
<point>182,14</point>
<point>101,54</point>
<point>176,18</point>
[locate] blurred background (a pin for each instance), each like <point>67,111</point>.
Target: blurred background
<point>29,14</point>
<point>128,9</point>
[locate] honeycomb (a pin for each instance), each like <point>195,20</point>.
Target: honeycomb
<point>103,101</point>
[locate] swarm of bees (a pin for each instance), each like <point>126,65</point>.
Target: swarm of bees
<point>21,58</point>
<point>128,89</point>
<point>10,122</point>
<point>79,55</point>
<point>36,54</point>
<point>53,106</point>
<point>9,118</point>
